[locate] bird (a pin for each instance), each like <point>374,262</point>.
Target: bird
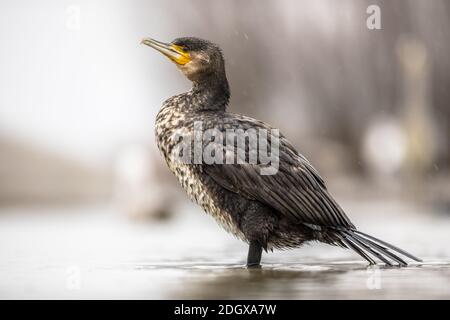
<point>279,211</point>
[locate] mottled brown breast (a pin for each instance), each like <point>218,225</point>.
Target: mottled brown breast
<point>172,120</point>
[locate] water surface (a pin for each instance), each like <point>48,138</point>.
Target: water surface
<point>92,252</point>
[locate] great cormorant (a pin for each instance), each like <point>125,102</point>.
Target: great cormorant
<point>282,210</point>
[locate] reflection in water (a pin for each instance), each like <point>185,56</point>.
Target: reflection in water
<point>91,253</point>
<point>334,280</point>
<point>328,281</point>
<point>268,282</point>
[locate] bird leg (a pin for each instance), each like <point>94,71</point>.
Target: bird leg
<point>254,254</point>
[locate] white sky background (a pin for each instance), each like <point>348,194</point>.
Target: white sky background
<point>85,93</point>
<point>81,92</point>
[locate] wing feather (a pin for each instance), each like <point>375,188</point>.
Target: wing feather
<point>296,191</point>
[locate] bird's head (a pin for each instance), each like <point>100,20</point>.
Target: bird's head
<point>197,58</point>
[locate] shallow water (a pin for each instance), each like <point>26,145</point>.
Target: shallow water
<point>93,252</point>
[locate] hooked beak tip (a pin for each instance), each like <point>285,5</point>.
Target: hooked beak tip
<point>145,41</point>
<point>171,51</point>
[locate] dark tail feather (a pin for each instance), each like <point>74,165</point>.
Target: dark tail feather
<point>377,254</point>
<point>403,252</point>
<point>351,245</point>
<point>380,250</point>
<point>366,245</point>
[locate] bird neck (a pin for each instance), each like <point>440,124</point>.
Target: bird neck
<point>210,93</point>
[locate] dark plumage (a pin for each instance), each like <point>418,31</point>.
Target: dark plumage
<point>280,211</point>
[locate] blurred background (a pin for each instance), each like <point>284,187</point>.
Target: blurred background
<point>81,180</point>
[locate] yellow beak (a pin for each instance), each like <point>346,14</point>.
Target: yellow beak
<point>172,51</point>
